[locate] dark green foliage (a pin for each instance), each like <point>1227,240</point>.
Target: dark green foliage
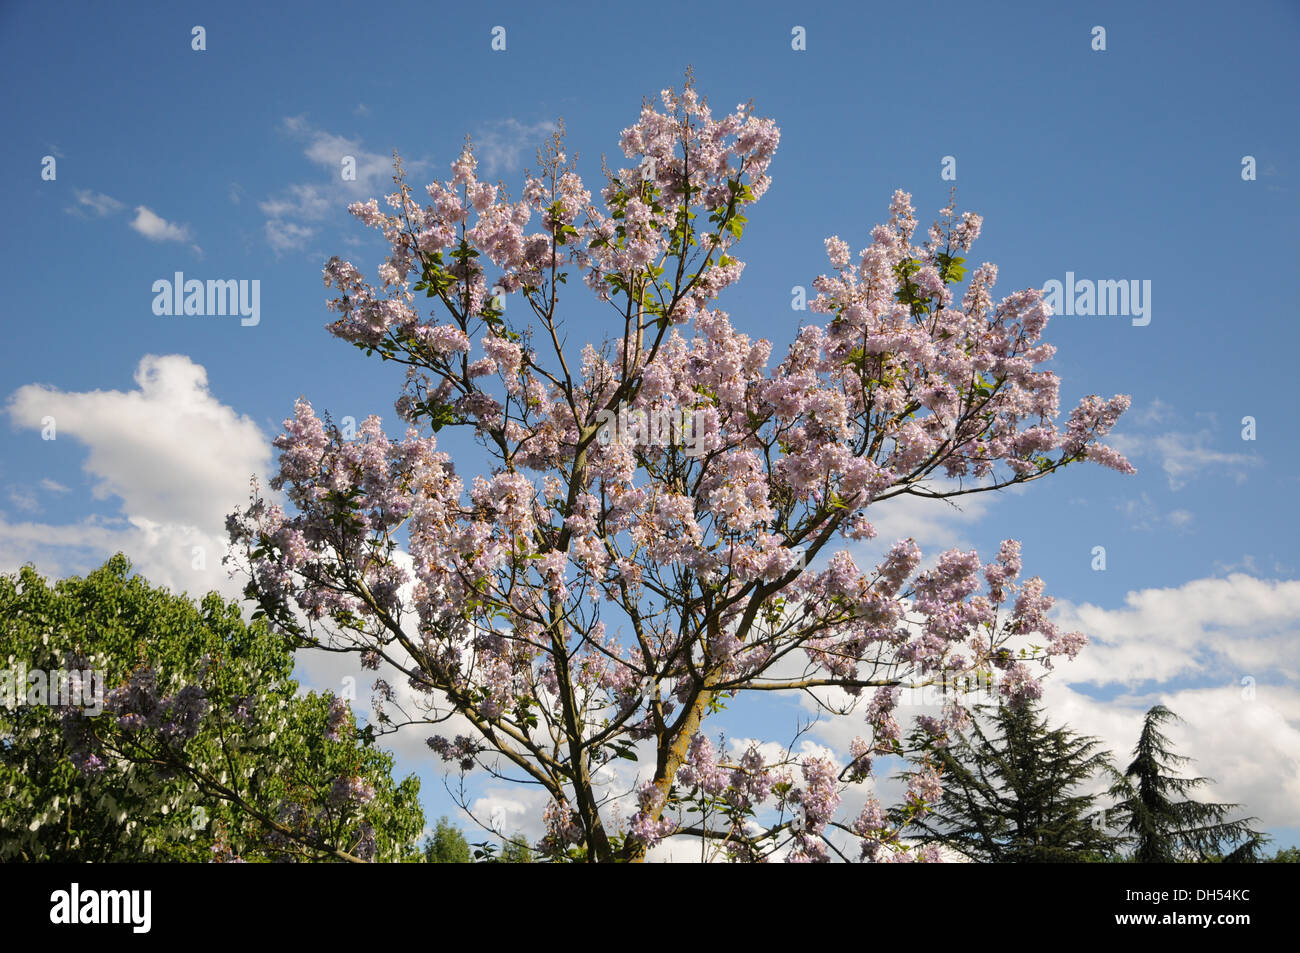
<point>1012,791</point>
<point>1161,822</point>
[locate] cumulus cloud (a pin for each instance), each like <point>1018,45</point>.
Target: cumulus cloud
<point>175,458</point>
<point>1224,654</point>
<point>168,449</point>
<point>1206,628</point>
<point>156,228</point>
<point>1247,744</point>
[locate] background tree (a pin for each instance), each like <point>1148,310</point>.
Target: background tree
<point>1012,790</point>
<point>1161,823</point>
<point>516,850</point>
<point>204,748</point>
<point>656,531</point>
<point>447,845</point>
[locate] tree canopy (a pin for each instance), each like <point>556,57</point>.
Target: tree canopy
<point>199,745</point>
<point>446,845</point>
<point>1015,790</point>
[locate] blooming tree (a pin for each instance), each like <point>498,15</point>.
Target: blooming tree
<point>596,596</point>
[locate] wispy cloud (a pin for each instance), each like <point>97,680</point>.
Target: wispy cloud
<point>499,146</point>
<point>1187,455</point>
<point>295,213</point>
<point>291,215</point>
<point>1142,513</point>
<point>286,236</point>
<point>1182,454</point>
<point>300,201</point>
<point>27,497</point>
<point>24,499</point>
<point>94,203</point>
<point>1156,412</point>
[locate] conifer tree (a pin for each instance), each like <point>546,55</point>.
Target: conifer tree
<point>1014,791</point>
<point>1160,821</point>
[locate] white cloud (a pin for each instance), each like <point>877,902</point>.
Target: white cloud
<point>507,810</point>
<point>1206,628</point>
<point>934,524</point>
<point>27,497</point>
<point>156,228</point>
<point>182,558</point>
<point>1249,748</point>
<point>1156,412</point>
<point>1224,654</point>
<point>303,201</point>
<point>169,449</point>
<point>175,457</point>
<point>292,212</point>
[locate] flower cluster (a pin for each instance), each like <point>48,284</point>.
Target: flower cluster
<point>138,706</point>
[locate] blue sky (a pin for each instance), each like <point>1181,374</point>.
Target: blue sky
<point>1117,164</point>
